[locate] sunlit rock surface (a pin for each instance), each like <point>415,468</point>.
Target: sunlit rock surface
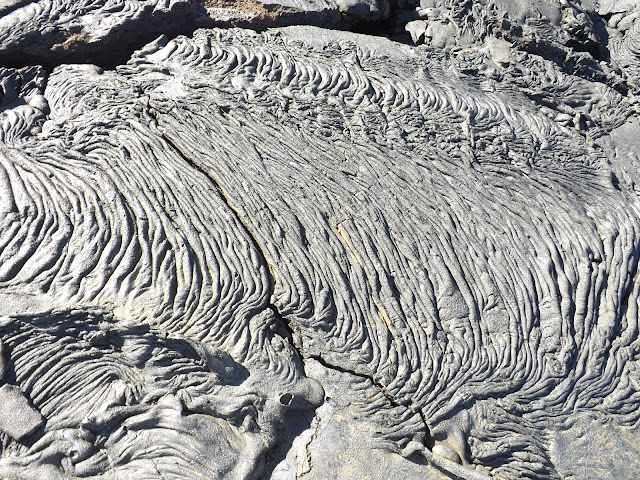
<point>310,253</point>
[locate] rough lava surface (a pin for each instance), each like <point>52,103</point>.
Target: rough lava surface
<point>361,239</point>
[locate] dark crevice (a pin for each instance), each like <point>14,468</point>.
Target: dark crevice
<point>295,422</point>
<point>226,201</point>
<point>593,49</point>
<point>378,28</point>
<point>408,404</point>
<point>286,330</point>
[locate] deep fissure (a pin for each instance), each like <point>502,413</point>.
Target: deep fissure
<point>392,400</point>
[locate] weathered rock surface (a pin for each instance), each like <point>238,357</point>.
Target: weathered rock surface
<point>305,253</point>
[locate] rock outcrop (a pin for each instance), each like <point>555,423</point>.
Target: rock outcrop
<point>300,252</point>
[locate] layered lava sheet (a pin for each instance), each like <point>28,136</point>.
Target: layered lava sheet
<point>228,255</point>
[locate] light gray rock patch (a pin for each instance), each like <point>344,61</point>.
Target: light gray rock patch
<point>18,419</point>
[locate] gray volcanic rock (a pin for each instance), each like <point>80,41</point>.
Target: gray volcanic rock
<point>306,253</point>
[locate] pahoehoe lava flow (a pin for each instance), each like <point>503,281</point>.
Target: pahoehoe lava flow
<point>304,253</point>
